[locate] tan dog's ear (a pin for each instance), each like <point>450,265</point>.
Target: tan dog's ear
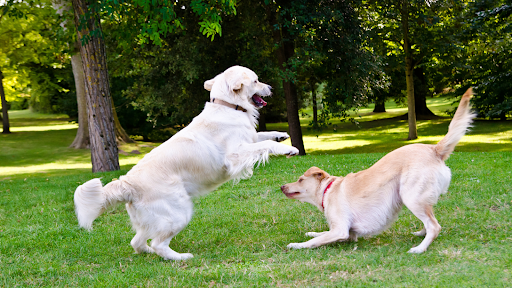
<point>209,84</point>
<point>316,172</point>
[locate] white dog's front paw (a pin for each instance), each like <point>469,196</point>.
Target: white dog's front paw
<point>281,136</point>
<point>296,246</point>
<point>293,151</point>
<point>416,250</point>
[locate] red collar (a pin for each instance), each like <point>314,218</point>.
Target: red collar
<point>323,196</point>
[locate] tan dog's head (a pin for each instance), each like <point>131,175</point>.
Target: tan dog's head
<point>239,86</point>
<point>308,187</point>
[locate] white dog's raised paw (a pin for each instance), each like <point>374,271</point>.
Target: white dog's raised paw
<point>293,151</point>
<point>295,246</point>
<point>416,250</point>
<point>282,136</point>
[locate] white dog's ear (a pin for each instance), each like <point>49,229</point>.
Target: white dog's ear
<point>209,84</point>
<point>236,81</point>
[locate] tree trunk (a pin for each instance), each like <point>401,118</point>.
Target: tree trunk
<point>121,135</point>
<point>262,122</point>
<point>5,107</point>
<point>380,103</point>
<point>420,94</point>
<point>413,133</point>
<point>82,140</point>
<point>315,106</point>
<point>284,52</point>
<point>104,153</point>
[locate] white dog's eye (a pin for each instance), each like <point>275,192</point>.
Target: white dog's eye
<point>255,81</point>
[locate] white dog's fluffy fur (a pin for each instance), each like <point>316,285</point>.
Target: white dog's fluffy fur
<point>219,145</point>
<point>368,202</point>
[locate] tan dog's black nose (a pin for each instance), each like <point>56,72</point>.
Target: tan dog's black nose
<point>283,188</point>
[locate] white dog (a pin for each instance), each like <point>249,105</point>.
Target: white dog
<point>368,202</point>
<point>219,145</point>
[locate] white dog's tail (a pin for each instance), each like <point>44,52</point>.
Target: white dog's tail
<point>461,122</point>
<point>91,199</point>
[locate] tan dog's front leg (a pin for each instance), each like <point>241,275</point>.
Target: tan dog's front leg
<point>315,234</point>
<point>324,238</point>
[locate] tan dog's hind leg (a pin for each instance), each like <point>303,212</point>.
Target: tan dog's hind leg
<point>422,232</point>
<point>324,238</point>
<point>432,228</point>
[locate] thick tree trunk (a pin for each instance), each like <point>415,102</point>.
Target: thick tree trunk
<point>5,107</point>
<point>262,122</point>
<point>420,94</point>
<point>285,52</point>
<point>380,103</point>
<point>409,67</point>
<point>82,140</point>
<point>104,153</point>
<point>121,135</point>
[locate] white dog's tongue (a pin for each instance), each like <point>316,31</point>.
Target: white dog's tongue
<point>259,101</point>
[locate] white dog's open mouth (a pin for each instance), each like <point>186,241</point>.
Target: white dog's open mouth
<point>258,101</point>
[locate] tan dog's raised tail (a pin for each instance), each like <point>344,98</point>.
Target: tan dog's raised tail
<point>367,202</point>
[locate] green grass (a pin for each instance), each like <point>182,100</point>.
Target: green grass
<point>239,232</point>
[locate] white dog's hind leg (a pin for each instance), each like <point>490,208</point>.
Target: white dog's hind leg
<point>140,243</point>
<point>161,247</point>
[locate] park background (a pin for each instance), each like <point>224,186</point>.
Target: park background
<point>343,75</point>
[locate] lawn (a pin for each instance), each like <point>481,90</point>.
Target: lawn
<point>239,233</point>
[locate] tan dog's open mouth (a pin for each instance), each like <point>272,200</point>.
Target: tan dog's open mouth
<point>258,101</point>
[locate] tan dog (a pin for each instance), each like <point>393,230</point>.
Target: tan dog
<point>368,202</point>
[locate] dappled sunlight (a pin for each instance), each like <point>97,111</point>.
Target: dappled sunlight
<point>126,162</point>
<point>42,168</point>
<point>44,128</point>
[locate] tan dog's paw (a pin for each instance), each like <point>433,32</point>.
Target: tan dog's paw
<point>296,246</point>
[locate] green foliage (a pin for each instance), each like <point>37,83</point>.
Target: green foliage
<point>485,61</point>
<point>151,20</point>
<point>34,55</point>
<point>166,82</point>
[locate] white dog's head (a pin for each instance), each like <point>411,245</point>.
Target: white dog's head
<point>239,86</point>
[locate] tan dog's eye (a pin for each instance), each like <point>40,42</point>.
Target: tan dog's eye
<point>300,180</point>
